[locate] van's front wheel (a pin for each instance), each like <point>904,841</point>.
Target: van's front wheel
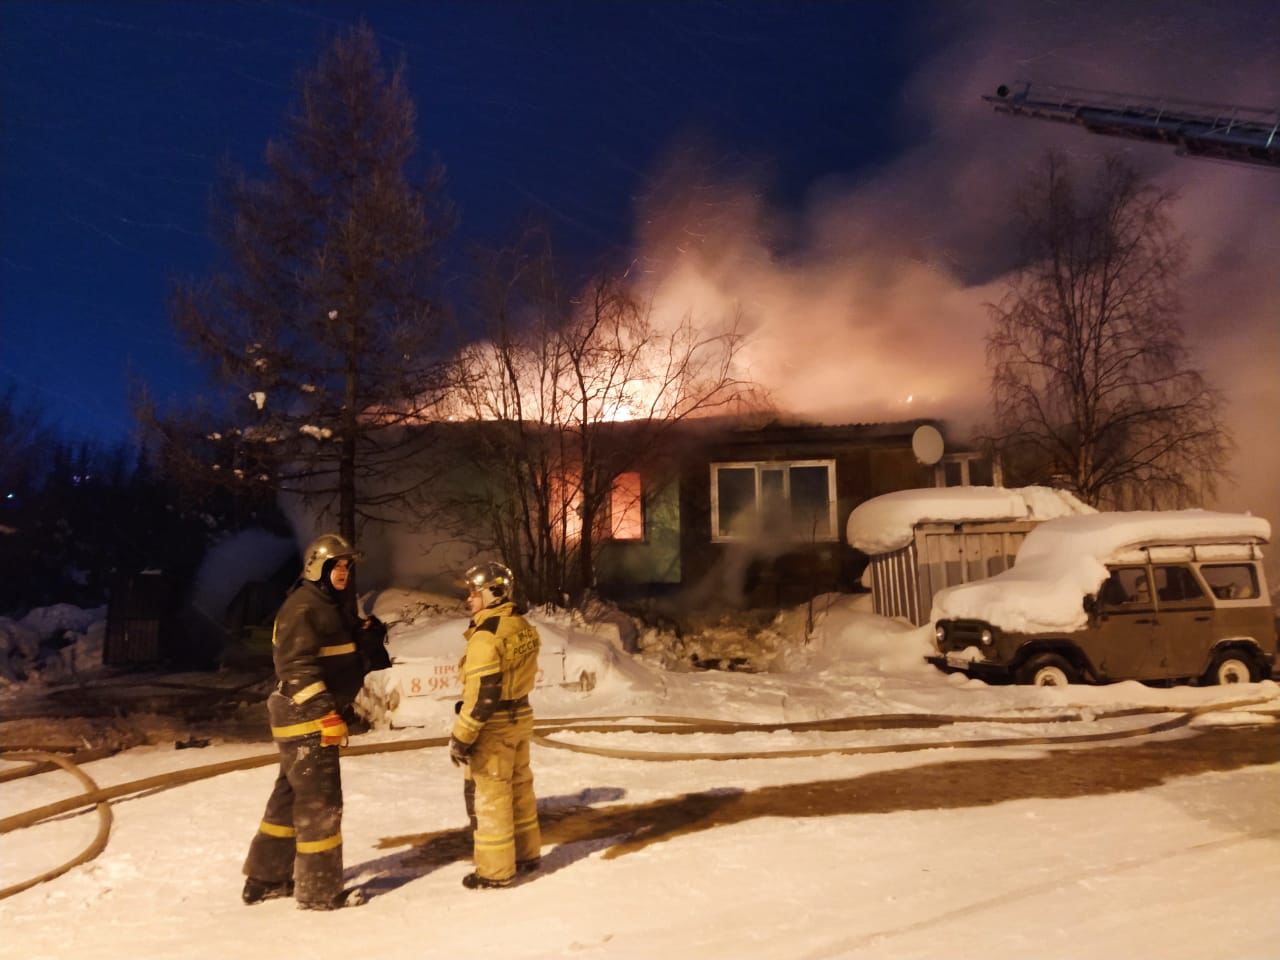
<point>1048,670</point>
<point>1232,666</point>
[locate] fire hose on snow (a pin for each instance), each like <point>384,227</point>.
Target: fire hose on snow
<point>101,797</point>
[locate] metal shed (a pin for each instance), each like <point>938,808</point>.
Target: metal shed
<point>904,581</point>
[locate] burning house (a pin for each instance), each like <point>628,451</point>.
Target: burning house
<point>756,515</point>
<point>719,512</point>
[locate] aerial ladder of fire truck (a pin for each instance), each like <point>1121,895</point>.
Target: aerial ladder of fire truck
<point>1213,131</point>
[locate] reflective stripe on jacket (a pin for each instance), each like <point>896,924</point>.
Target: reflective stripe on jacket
<point>313,643</point>
<point>500,665</point>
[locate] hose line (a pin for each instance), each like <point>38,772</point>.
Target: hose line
<point>95,847</point>
<point>100,797</point>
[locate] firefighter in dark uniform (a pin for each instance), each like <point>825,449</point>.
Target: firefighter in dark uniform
<point>493,728</point>
<point>321,653</point>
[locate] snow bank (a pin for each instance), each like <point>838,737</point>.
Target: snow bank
<point>1062,561</point>
<point>61,617</point>
<point>586,668</point>
<point>886,522</point>
<point>851,634</point>
<point>17,642</point>
<point>51,644</point>
<point>425,640</point>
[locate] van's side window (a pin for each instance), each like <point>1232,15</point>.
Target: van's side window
<point>1127,586</point>
<point>1231,581</point>
<point>1176,583</point>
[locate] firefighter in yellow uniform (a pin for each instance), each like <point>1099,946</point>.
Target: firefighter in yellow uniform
<point>321,654</point>
<point>493,728</point>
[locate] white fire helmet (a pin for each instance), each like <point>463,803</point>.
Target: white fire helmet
<point>493,582</point>
<point>326,547</point>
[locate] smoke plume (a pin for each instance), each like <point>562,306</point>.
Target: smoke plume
<point>869,303</point>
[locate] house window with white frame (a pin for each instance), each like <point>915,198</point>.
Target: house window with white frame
<point>792,500</point>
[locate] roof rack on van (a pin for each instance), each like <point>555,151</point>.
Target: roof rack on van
<point>1184,552</point>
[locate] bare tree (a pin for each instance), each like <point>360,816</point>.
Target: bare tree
<point>321,328</point>
<point>1092,386</point>
<point>568,393</point>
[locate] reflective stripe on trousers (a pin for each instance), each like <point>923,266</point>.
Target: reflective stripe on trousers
<point>300,835</point>
<point>501,801</point>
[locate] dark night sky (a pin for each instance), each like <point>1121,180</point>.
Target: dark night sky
<point>116,115</point>
<point>827,168</point>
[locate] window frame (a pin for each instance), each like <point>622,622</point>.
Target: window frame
<point>1131,602</point>
<point>759,467</point>
<point>641,507</point>
<point>1226,599</point>
<point>1186,578</point>
<point>964,461</point>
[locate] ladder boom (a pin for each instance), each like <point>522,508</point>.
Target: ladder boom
<point>1217,131</point>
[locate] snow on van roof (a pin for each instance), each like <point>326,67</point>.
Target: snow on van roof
<point>1063,560</point>
<point>885,523</point>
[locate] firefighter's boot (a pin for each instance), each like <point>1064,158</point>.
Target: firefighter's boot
<point>473,881</point>
<point>255,890</point>
<point>350,897</point>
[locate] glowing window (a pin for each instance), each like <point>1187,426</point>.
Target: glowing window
<point>626,508</point>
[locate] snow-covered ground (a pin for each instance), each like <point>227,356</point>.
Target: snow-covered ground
<point>993,852</point>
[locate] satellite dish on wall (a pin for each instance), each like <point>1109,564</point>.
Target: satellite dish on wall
<point>926,444</point>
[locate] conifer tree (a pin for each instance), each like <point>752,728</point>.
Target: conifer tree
<point>320,326</point>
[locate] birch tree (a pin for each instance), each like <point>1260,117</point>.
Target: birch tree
<point>566,394</point>
<point>1093,387</point>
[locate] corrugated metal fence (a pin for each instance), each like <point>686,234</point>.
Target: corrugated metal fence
<point>940,555</point>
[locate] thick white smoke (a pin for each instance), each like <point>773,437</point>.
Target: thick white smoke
<point>870,304</point>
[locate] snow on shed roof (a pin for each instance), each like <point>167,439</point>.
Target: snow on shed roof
<point>1063,560</point>
<point>886,522</point>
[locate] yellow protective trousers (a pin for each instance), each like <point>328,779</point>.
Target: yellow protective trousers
<point>300,835</point>
<point>499,794</point>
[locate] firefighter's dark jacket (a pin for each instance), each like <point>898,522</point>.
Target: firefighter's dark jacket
<point>321,653</point>
<point>499,668</point>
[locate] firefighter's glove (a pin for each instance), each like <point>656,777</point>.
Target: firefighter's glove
<point>333,730</point>
<point>372,641</point>
<point>459,752</point>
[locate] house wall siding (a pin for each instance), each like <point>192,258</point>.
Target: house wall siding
<point>777,571</point>
<point>656,559</point>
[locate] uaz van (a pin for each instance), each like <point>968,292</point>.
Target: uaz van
<point>1171,596</point>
